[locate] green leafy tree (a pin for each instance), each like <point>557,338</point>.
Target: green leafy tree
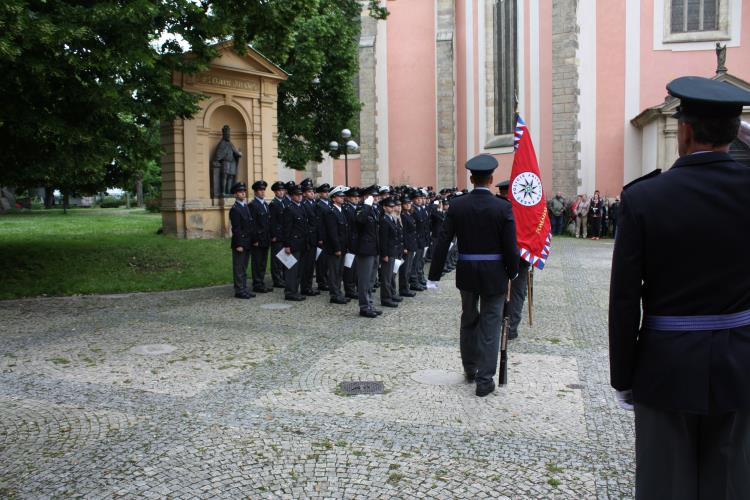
<point>85,83</point>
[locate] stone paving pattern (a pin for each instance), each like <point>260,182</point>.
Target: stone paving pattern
<point>247,404</point>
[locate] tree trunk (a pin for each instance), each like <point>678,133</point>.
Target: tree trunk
<point>49,197</point>
<point>66,201</point>
<point>139,193</point>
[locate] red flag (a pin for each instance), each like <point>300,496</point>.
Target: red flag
<point>529,203</point>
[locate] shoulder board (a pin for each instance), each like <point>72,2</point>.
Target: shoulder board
<point>649,175</point>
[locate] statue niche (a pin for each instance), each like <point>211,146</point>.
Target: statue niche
<point>224,165</point>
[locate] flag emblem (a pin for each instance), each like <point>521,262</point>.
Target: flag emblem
<point>527,189</point>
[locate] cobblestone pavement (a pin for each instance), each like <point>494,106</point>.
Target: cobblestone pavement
<point>196,394</point>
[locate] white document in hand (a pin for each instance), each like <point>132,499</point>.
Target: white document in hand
<point>397,264</point>
<point>287,259</point>
<point>451,247</point>
<point>424,253</point>
<point>318,251</point>
<point>348,260</point>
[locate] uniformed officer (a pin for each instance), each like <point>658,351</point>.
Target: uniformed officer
<point>335,241</point>
<point>350,212</point>
<point>242,239</point>
<point>276,209</point>
<point>367,252</point>
<point>391,247</point>
<point>520,285</point>
<point>422,219</point>
<point>682,238</point>
<point>486,235</point>
<point>259,251</point>
<point>313,237</point>
<point>296,242</point>
<point>322,205</point>
<point>410,246</point>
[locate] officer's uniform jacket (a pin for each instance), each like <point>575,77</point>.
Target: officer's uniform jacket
<point>276,209</point>
<point>313,228</point>
<point>410,232</point>
<point>683,259</point>
<point>367,228</point>
<point>436,222</point>
<point>336,236</point>
<point>350,212</point>
<point>295,228</point>
<point>391,241</point>
<point>243,226</point>
<point>422,219</point>
<point>261,213</point>
<point>484,224</point>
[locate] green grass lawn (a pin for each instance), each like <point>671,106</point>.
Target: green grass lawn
<point>46,252</point>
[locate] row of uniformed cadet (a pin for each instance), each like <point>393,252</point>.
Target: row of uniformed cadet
<point>320,226</point>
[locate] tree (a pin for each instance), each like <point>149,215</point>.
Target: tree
<point>85,83</point>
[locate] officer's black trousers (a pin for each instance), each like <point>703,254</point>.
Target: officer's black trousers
<point>239,270</point>
<point>404,272</point>
<point>259,259</point>
<point>518,290</point>
<point>335,275</point>
<point>481,319</point>
<point>691,457</point>
<point>277,268</point>
<point>321,269</point>
<point>294,275</point>
<point>308,269</point>
<point>365,280</point>
<point>417,271</point>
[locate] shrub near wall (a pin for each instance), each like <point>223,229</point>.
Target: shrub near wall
<point>112,202</point>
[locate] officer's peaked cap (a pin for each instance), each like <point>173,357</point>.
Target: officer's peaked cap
<point>238,186</point>
<point>259,185</point>
<point>706,98</point>
<point>483,163</point>
<point>277,185</point>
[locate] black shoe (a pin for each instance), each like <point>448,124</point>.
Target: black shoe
<point>334,300</point>
<point>310,293</point>
<point>323,288</point>
<point>368,314</point>
<point>417,288</point>
<point>396,299</point>
<point>243,295</point>
<point>262,289</point>
<point>423,284</point>
<point>295,298</point>
<point>352,296</point>
<point>512,336</point>
<point>485,390</point>
<point>377,311</point>
<point>407,293</point>
<point>470,377</point>
<point>389,304</point>
<point>377,285</point>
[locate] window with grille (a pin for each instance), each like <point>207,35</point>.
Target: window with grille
<point>506,79</point>
<point>694,15</point>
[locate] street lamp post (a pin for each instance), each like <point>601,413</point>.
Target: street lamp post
<point>349,147</point>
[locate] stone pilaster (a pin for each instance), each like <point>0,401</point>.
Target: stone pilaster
<point>565,117</point>
<point>446,98</point>
<point>368,98</point>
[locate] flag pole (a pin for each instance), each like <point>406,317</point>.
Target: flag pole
<point>530,284</point>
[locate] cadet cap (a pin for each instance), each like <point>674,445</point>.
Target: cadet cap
<point>238,186</point>
<point>259,185</point>
<point>482,163</point>
<point>706,98</point>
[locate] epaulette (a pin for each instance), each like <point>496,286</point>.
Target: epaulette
<point>649,175</point>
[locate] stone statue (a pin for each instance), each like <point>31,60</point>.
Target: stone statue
<point>224,165</point>
<point>721,58</point>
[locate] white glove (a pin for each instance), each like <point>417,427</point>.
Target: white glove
<point>432,285</point>
<point>744,133</point>
<point>368,201</point>
<point>625,399</point>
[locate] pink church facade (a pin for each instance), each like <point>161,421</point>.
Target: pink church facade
<point>435,81</point>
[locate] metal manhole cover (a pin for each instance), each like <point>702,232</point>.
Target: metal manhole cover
<point>275,306</point>
<point>361,387</point>
<point>153,349</point>
<point>436,376</point>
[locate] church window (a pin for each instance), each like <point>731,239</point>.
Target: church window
<point>506,72</point>
<point>694,15</point>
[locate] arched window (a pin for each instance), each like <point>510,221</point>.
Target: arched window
<point>506,72</point>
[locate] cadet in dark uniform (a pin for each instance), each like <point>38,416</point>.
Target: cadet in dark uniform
<point>242,239</point>
<point>422,219</point>
<point>335,241</point>
<point>410,246</point>
<point>296,242</point>
<point>313,237</point>
<point>682,238</point>
<point>367,252</point>
<point>520,285</point>
<point>391,248</point>
<point>350,212</point>
<point>259,251</point>
<point>321,264</point>
<point>486,235</point>
<point>276,209</point>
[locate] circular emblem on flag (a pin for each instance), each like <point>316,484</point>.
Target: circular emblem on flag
<point>527,189</point>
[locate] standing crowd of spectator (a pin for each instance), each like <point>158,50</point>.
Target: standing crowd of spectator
<point>584,217</point>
